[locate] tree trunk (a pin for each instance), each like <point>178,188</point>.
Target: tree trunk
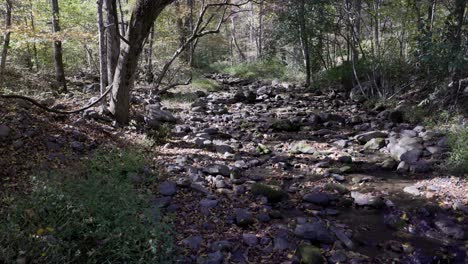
<point>58,60</point>
<point>122,19</point>
<point>112,37</point>
<point>234,39</point>
<point>102,51</point>
<point>142,19</point>
<point>33,27</point>
<point>260,31</point>
<point>149,66</point>
<point>459,14</point>
<point>304,42</point>
<point>6,39</point>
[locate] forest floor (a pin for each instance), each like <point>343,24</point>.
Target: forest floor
<point>269,173</point>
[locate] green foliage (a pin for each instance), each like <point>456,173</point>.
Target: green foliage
<point>263,69</point>
<point>161,134</point>
<point>457,162</point>
<point>205,84</point>
<point>97,217</point>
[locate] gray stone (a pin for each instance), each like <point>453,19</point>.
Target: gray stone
<point>338,257</point>
<point>375,144</point>
<point>167,188</point>
<point>366,199</point>
<point>4,131</point>
<point>208,203</point>
<point>365,137</point>
<point>302,147</point>
<point>250,239</point>
<point>317,198</point>
<point>449,228</point>
<point>154,116</point>
<point>413,190</point>
<point>217,169</point>
<point>411,156</point>
<point>317,232</point>
<point>403,167</point>
<point>224,149</point>
<point>243,217</point>
<point>193,242</point>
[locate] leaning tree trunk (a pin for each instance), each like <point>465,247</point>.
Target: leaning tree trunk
<point>6,39</point>
<point>58,60</point>
<point>142,19</point>
<point>112,37</point>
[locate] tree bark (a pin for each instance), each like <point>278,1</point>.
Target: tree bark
<point>304,42</point>
<point>58,57</point>
<point>111,23</point>
<point>142,19</point>
<point>6,39</point>
<point>33,27</point>
<point>102,51</point>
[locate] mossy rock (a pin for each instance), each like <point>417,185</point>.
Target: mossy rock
<point>302,147</point>
<point>262,149</point>
<point>273,193</point>
<point>310,255</point>
<point>285,125</point>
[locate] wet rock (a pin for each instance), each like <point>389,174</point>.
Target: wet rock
<point>317,198</point>
<point>250,239</point>
<point>167,188</point>
<point>365,137</point>
<point>302,147</point>
<point>310,255</point>
<point>362,199</point>
<point>340,234</point>
<point>243,217</point>
<point>272,193</point>
<point>4,131</point>
<point>193,242</point>
<point>316,231</point>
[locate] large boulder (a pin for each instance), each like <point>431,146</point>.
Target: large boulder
<point>316,232</point>
<point>155,116</point>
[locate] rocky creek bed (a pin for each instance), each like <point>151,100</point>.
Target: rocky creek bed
<point>272,173</point>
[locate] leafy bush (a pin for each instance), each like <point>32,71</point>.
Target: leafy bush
<point>205,84</point>
<point>458,157</point>
<point>96,217</point>
<point>264,69</point>
<point>161,134</point>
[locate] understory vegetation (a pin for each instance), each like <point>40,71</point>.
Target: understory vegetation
<point>92,216</point>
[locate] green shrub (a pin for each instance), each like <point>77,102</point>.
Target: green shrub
<point>94,217</point>
<point>161,134</point>
<point>457,161</point>
<point>264,69</point>
<point>205,84</point>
